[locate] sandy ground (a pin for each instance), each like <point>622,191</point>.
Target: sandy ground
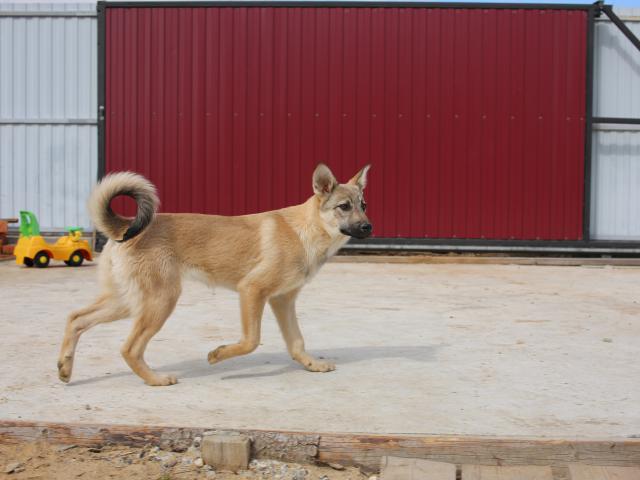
<point>40,461</point>
<point>440,349</point>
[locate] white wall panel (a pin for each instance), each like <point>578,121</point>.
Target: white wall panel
<point>615,191</point>
<point>48,169</point>
<point>616,186</point>
<point>48,97</point>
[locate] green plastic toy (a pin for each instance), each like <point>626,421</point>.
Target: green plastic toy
<point>29,226</point>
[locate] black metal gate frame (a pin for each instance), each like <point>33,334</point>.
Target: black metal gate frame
<point>586,245</point>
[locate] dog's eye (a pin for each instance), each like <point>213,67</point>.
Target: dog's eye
<point>345,207</point>
<point>364,206</point>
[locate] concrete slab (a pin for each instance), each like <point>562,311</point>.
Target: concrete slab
<point>441,349</point>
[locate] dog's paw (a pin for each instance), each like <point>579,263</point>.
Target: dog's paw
<point>64,369</point>
<point>318,366</point>
<point>214,355</point>
<point>162,380</point>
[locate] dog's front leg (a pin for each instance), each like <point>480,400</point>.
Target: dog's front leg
<point>252,302</point>
<point>105,309</point>
<point>284,308</point>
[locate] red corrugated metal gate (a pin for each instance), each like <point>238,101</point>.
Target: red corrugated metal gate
<point>473,119</point>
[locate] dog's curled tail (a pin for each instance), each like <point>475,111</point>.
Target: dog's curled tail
<point>132,185</point>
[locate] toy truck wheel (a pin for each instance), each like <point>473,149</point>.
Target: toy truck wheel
<point>41,260</point>
<point>75,260</point>
<point>28,262</point>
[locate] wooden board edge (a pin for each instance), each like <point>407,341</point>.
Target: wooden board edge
<point>350,449</point>
<point>366,451</point>
<point>298,447</point>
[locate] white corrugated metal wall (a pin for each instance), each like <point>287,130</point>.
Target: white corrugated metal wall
<point>48,97</point>
<point>615,205</point>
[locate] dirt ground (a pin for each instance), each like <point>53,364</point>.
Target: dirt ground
<point>40,461</point>
<point>441,349</point>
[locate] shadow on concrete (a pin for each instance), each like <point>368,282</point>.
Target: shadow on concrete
<point>232,369</point>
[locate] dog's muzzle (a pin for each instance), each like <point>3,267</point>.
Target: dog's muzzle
<point>362,230</point>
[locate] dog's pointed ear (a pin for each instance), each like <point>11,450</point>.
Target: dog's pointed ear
<point>360,178</point>
<point>323,180</point>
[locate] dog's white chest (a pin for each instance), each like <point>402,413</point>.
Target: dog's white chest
<point>317,257</point>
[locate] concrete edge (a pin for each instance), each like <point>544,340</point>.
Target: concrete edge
<point>487,260</point>
<point>442,259</point>
<point>461,260</point>
<point>350,449</point>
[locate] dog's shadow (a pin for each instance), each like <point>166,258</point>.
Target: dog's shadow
<point>233,369</point>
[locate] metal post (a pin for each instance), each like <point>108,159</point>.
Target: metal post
<point>102,77</point>
<point>588,140</point>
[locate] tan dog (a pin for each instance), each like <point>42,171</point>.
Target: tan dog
<point>266,257</point>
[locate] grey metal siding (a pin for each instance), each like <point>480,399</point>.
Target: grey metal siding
<point>48,97</point>
<point>616,185</point>
<point>617,71</point>
<point>615,198</point>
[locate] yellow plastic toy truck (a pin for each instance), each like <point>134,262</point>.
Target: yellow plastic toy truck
<point>32,249</point>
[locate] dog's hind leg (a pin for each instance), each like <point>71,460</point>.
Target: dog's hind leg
<point>155,309</point>
<point>284,308</point>
<point>105,309</point>
<point>252,303</point>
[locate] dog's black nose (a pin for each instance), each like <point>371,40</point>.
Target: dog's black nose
<point>366,227</point>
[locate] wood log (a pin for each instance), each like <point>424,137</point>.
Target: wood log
<point>361,450</point>
<point>366,450</point>
<point>286,446</point>
<point>226,451</point>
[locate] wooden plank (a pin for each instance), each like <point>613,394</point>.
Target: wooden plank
<point>361,450</point>
<point>399,468</point>
<point>286,446</point>
<point>366,451</point>
<point>579,471</point>
<point>488,472</point>
<point>226,451</point>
